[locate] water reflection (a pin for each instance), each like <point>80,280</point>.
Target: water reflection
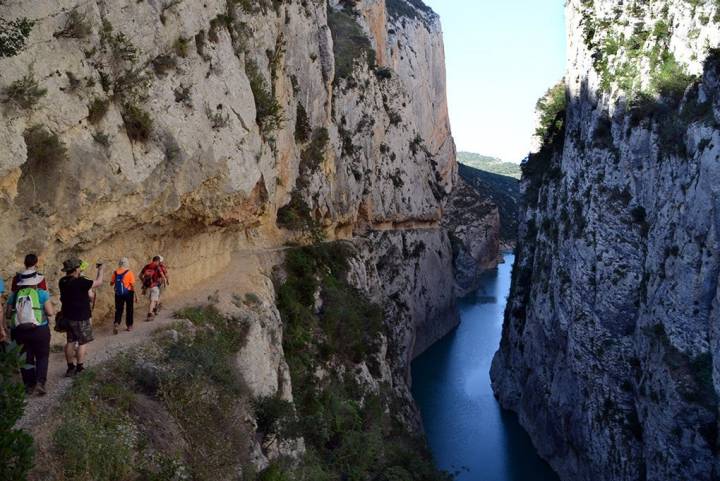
<point>468,432</point>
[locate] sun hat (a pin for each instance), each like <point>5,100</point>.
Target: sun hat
<point>71,265</point>
<point>29,278</point>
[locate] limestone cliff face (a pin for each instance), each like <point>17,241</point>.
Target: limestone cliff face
<point>473,221</point>
<point>204,130</point>
<point>180,127</point>
<point>609,349</point>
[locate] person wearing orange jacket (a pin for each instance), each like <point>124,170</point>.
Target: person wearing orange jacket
<point>123,280</point>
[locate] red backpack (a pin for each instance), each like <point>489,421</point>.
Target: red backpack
<point>150,276</point>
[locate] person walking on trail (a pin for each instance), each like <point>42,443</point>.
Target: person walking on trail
<point>123,280</point>
<point>31,312</point>
<point>31,262</point>
<point>76,309</point>
<point>154,275</point>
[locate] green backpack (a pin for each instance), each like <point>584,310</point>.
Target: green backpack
<point>28,311</point>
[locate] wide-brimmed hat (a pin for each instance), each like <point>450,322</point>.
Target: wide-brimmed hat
<point>29,278</point>
<point>71,264</point>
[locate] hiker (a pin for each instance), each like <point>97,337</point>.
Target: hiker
<point>123,280</point>
<point>31,262</point>
<point>154,275</point>
<point>76,309</point>
<point>31,311</point>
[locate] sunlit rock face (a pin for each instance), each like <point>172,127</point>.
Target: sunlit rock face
<point>209,130</point>
<point>609,349</point>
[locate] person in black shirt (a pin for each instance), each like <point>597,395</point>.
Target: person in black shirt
<point>75,299</point>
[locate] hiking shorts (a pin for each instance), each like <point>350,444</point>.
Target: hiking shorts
<point>154,293</point>
<point>80,332</point>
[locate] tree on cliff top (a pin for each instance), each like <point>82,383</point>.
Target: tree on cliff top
<point>550,109</point>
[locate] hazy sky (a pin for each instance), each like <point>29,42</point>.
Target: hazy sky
<point>502,55</point>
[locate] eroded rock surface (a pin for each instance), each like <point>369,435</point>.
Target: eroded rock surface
<point>610,345</point>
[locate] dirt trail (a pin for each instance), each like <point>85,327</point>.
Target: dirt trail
<point>249,271</point>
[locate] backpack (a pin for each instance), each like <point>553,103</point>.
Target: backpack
<point>120,288</point>
<point>149,276</point>
<point>28,311</point>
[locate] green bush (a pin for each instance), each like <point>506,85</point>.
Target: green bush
<point>190,377</point>
<point>406,8</point>
<point>76,26</point>
<point>303,129</point>
<point>269,112</point>
<point>44,146</point>
<point>16,446</point>
<point>14,35</point>
<point>551,109</point>
<point>275,416</point>
<point>24,92</point>
<point>162,64</point>
<point>138,123</point>
<point>274,472</point>
<point>181,47</point>
<point>101,138</point>
<point>670,79</point>
<point>313,156</point>
<point>97,109</point>
<point>296,214</point>
<point>96,439</point>
<point>350,44</point>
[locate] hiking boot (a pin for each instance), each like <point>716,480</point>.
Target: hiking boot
<point>71,371</point>
<point>40,389</point>
<point>79,369</point>
<point>129,329</point>
<point>150,317</point>
<point>29,390</point>
<point>115,329</point>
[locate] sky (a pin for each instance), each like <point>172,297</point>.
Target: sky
<point>502,55</point>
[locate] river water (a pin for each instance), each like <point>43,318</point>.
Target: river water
<point>469,434</point>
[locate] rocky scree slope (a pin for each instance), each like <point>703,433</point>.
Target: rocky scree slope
<point>610,344</point>
<point>202,129</point>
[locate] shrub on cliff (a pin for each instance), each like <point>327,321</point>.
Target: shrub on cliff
<point>350,432</point>
<point>350,44</point>
<point>551,111</point>
<point>43,146</point>
<point>14,35</point>
<point>302,125</point>
<point>138,417</point>
<point>97,109</point>
<point>138,123</point>
<point>76,26</point>
<point>269,112</point>
<point>24,92</point>
<point>670,79</point>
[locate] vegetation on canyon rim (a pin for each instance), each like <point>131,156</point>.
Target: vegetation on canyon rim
<point>350,431</point>
<point>187,378</point>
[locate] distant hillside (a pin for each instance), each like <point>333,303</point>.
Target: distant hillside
<point>504,191</point>
<point>489,164</point>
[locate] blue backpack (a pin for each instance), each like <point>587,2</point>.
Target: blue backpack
<point>120,289</point>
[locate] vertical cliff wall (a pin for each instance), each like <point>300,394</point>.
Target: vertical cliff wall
<point>200,129</point>
<point>610,345</point>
